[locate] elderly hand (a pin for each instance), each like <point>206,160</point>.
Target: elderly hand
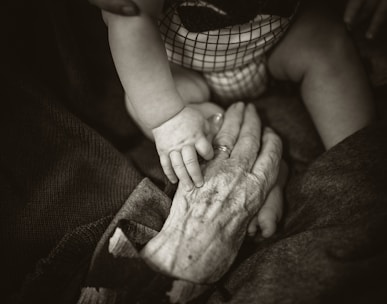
<point>120,7</point>
<point>206,226</point>
<point>374,10</point>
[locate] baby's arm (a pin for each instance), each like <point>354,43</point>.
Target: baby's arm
<point>144,71</point>
<point>142,65</point>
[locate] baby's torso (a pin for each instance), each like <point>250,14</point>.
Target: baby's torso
<point>225,40</point>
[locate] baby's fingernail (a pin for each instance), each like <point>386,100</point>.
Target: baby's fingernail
<point>199,184</point>
<point>173,180</point>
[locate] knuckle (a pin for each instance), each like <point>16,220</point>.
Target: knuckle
<point>252,134</point>
<point>262,179</point>
<point>244,162</point>
<point>191,162</point>
<point>249,140</point>
<point>225,137</point>
<point>168,172</point>
<point>196,177</point>
<point>167,169</point>
<point>178,166</point>
<point>184,179</point>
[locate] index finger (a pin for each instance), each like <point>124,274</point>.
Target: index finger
<point>120,7</point>
<point>248,144</point>
<point>228,133</point>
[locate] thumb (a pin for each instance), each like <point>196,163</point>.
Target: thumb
<point>214,124</point>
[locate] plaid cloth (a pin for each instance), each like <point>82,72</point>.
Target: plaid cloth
<point>232,59</point>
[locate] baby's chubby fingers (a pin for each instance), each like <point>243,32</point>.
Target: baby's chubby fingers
<point>167,168</point>
<point>181,170</point>
<point>190,159</point>
<point>204,148</point>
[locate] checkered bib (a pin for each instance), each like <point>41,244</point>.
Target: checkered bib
<point>232,59</point>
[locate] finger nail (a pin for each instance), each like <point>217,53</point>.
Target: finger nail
<point>199,184</point>
<point>130,10</point>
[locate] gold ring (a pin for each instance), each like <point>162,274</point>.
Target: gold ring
<point>223,148</point>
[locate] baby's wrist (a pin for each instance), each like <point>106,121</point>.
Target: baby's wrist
<point>168,117</point>
<point>158,108</point>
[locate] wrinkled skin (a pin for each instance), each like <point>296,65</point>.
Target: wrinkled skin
<point>206,226</point>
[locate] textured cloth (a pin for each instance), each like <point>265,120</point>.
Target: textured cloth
<point>65,134</point>
<point>71,158</point>
<point>330,249</point>
<point>232,59</point>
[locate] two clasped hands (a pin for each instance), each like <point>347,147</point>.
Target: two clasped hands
<point>242,191</point>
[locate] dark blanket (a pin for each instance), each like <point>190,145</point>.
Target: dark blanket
<point>71,157</point>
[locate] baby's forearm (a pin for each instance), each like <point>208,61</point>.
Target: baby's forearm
<point>142,65</point>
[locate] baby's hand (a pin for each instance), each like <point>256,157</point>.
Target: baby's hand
<point>178,141</point>
<point>376,10</point>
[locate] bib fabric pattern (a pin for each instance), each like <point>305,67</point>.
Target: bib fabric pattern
<point>232,59</point>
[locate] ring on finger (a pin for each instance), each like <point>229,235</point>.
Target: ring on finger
<point>223,148</point>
